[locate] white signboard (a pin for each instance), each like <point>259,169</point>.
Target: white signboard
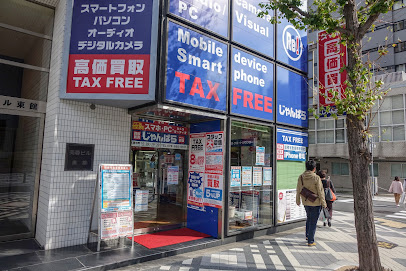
<point>287,207</point>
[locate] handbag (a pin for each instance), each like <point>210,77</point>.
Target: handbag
<point>326,213</point>
<point>329,194</point>
<point>307,194</point>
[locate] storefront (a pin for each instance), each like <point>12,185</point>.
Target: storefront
<point>193,94</point>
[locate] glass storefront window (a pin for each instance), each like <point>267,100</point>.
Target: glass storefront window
<point>250,198</point>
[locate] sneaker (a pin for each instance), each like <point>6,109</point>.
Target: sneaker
<point>398,205</point>
<point>324,224</point>
<point>307,238</point>
<point>329,224</point>
<point>312,244</point>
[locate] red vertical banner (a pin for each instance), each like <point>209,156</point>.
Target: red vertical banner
<point>332,57</point>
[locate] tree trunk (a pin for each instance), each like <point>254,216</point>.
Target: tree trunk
<point>364,217</point>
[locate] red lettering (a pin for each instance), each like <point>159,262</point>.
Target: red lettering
<point>258,102</point>
<point>182,77</point>
<point>197,88</point>
<point>268,104</point>
<point>248,99</point>
<point>235,95</point>
<point>213,90</point>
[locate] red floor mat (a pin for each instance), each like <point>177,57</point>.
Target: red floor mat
<point>166,238</point>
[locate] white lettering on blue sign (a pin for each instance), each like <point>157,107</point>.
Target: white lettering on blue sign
<point>292,113</point>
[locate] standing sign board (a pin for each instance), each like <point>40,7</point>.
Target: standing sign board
<point>332,57</point>
<point>112,51</point>
<point>116,201</point>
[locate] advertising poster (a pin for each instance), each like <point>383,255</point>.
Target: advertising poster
<point>246,178</point>
<point>291,145</point>
<point>292,104</point>
<point>197,151</point>
<point>116,188</point>
<point>267,175</point>
<point>212,15</point>
<point>214,152</point>
<point>252,86</point>
<point>260,156</point>
<point>109,229</point>
<point>172,175</point>
<point>159,135</point>
<point>125,223</point>
<point>196,72</point>
<point>141,200</point>
<point>213,190</point>
<point>287,207</point>
<point>257,176</point>
<point>250,30</point>
<point>235,176</point>
<point>195,189</point>
<point>108,51</point>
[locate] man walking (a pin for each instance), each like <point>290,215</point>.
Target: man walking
<point>312,182</point>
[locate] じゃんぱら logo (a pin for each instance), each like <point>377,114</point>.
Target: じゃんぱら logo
<point>292,43</point>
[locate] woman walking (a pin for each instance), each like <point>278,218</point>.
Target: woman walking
<point>327,183</point>
<point>397,189</point>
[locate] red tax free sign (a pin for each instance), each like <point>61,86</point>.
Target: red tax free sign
<point>332,57</point>
<point>120,74</point>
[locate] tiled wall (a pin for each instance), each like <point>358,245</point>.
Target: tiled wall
<point>65,197</point>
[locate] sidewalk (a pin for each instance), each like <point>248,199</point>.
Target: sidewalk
<point>336,247</point>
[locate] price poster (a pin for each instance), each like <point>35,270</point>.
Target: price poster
<point>213,190</point>
<point>173,175</point>
<point>197,150</point>
<point>267,175</point>
<point>124,223</point>
<point>109,228</point>
<point>257,176</point>
<point>214,152</point>
<point>260,156</point>
<point>246,176</point>
<point>235,176</point>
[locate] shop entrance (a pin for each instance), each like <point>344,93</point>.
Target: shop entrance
<point>158,188</point>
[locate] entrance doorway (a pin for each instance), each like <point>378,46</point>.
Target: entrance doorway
<point>159,189</point>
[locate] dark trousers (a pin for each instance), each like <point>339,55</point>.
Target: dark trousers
<point>312,213</point>
<point>330,208</point>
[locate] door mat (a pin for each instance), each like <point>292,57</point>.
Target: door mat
<point>166,238</point>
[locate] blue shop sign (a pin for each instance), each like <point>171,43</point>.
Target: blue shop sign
<point>292,107</point>
<point>252,86</point>
<point>196,69</point>
<point>210,14</point>
<point>291,145</point>
<point>292,45</point>
<point>250,30</point>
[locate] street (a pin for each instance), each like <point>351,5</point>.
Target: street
<point>336,246</point>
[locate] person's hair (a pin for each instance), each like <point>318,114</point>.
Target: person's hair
<point>322,174</point>
<point>310,165</point>
<point>396,178</point>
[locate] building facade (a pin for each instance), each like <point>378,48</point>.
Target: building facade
<point>327,137</point>
<point>206,101</point>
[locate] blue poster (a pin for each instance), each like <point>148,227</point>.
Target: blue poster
<point>292,103</point>
<point>291,145</point>
<point>212,15</point>
<point>292,46</point>
<point>196,69</point>
<point>250,30</point>
<point>252,86</point>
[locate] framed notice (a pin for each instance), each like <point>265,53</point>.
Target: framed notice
<point>246,176</point>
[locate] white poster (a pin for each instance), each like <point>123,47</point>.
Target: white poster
<point>267,175</point>
<point>124,223</point>
<point>108,226</point>
<point>141,200</point>
<point>235,176</point>
<point>287,207</point>
<point>257,176</point>
<point>246,176</point>
<point>260,156</point>
<point>172,175</point>
<point>197,150</point>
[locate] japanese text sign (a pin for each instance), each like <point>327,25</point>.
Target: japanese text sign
<point>213,190</point>
<point>291,145</point>
<point>250,30</point>
<point>196,71</point>
<point>252,86</point>
<point>212,15</point>
<point>110,47</point>
<point>332,57</point>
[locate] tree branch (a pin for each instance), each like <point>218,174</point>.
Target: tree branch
<point>362,30</point>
